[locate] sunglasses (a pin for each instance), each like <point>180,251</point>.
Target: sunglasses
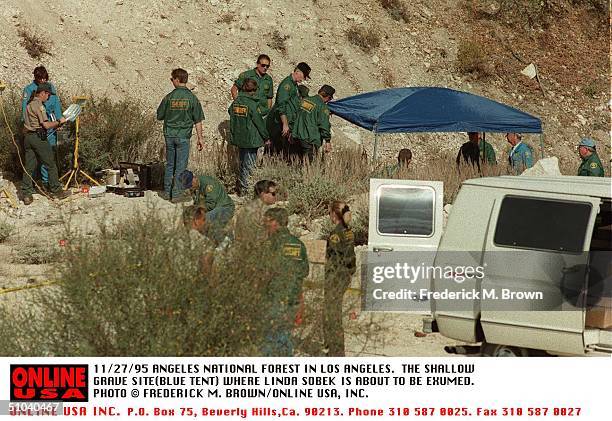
<point>264,65</point>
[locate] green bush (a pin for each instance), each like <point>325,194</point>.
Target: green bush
<point>6,229</point>
<point>10,101</point>
<point>312,197</point>
<point>139,289</point>
<point>36,254</point>
<point>111,132</point>
<point>471,59</point>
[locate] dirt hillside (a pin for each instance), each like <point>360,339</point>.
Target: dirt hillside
<point>128,47</point>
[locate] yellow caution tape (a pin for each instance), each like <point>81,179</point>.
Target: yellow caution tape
<point>21,288</point>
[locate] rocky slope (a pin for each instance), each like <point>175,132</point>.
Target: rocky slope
<point>128,47</point>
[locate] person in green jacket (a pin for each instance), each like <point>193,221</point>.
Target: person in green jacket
<point>404,157</point>
<point>209,193</point>
<point>180,110</point>
<point>340,265</point>
<point>247,130</point>
<point>289,261</point>
<point>591,164</point>
<point>282,116</point>
<point>312,127</point>
<point>265,85</point>
<point>487,153</point>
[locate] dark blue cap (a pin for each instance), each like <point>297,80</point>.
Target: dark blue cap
<point>186,179</point>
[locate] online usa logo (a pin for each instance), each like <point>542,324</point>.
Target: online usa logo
<point>50,382</point>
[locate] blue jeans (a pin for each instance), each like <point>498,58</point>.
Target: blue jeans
<point>44,171</point>
<point>248,158</point>
<point>278,343</point>
<point>177,158</point>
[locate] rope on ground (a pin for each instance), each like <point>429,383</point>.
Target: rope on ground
<point>24,287</point>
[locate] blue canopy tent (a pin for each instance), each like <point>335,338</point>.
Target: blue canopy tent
<point>431,109</point>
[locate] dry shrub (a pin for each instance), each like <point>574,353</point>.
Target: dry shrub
<point>139,289</point>
<point>219,160</point>
<point>227,18</point>
<point>278,41</point>
<point>35,45</point>
<point>387,77</point>
<point>311,188</point>
<point>471,59</point>
<point>111,61</point>
<point>11,102</point>
<point>366,38</point>
<point>396,9</point>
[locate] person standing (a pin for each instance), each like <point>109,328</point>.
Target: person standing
<point>289,267</point>
<point>486,151</point>
<point>521,156</point>
<point>54,112</point>
<point>247,130</point>
<point>265,86</point>
<point>180,110</point>
<point>591,164</point>
<point>404,157</point>
<point>282,116</point>
<point>470,151</point>
<point>37,148</point>
<point>209,193</point>
<point>249,220</point>
<point>340,265</point>
<point>312,127</point>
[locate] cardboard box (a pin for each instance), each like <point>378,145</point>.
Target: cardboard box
<point>600,315</point>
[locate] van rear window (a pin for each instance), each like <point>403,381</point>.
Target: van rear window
<point>406,210</point>
<point>542,224</point>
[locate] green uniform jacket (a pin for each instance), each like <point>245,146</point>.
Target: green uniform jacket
<point>265,88</point>
<point>287,101</point>
<point>247,127</point>
<point>291,264</point>
<point>312,122</point>
<point>489,154</point>
<point>340,252</point>
<point>180,110</point>
<point>591,166</point>
<point>211,194</point>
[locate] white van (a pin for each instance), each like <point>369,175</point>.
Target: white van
<point>530,233</point>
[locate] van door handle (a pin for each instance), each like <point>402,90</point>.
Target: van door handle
<point>379,249</point>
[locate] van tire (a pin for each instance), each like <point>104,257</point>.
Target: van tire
<point>494,350</point>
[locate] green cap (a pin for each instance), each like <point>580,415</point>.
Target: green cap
<point>44,87</point>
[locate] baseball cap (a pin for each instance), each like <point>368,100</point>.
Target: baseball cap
<point>305,68</point>
<point>44,87</point>
<point>588,142</point>
<point>185,179</point>
<point>328,90</point>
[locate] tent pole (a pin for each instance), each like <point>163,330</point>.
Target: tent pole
<point>375,144</point>
<point>542,145</point>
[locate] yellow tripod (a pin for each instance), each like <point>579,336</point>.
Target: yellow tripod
<point>76,168</point>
